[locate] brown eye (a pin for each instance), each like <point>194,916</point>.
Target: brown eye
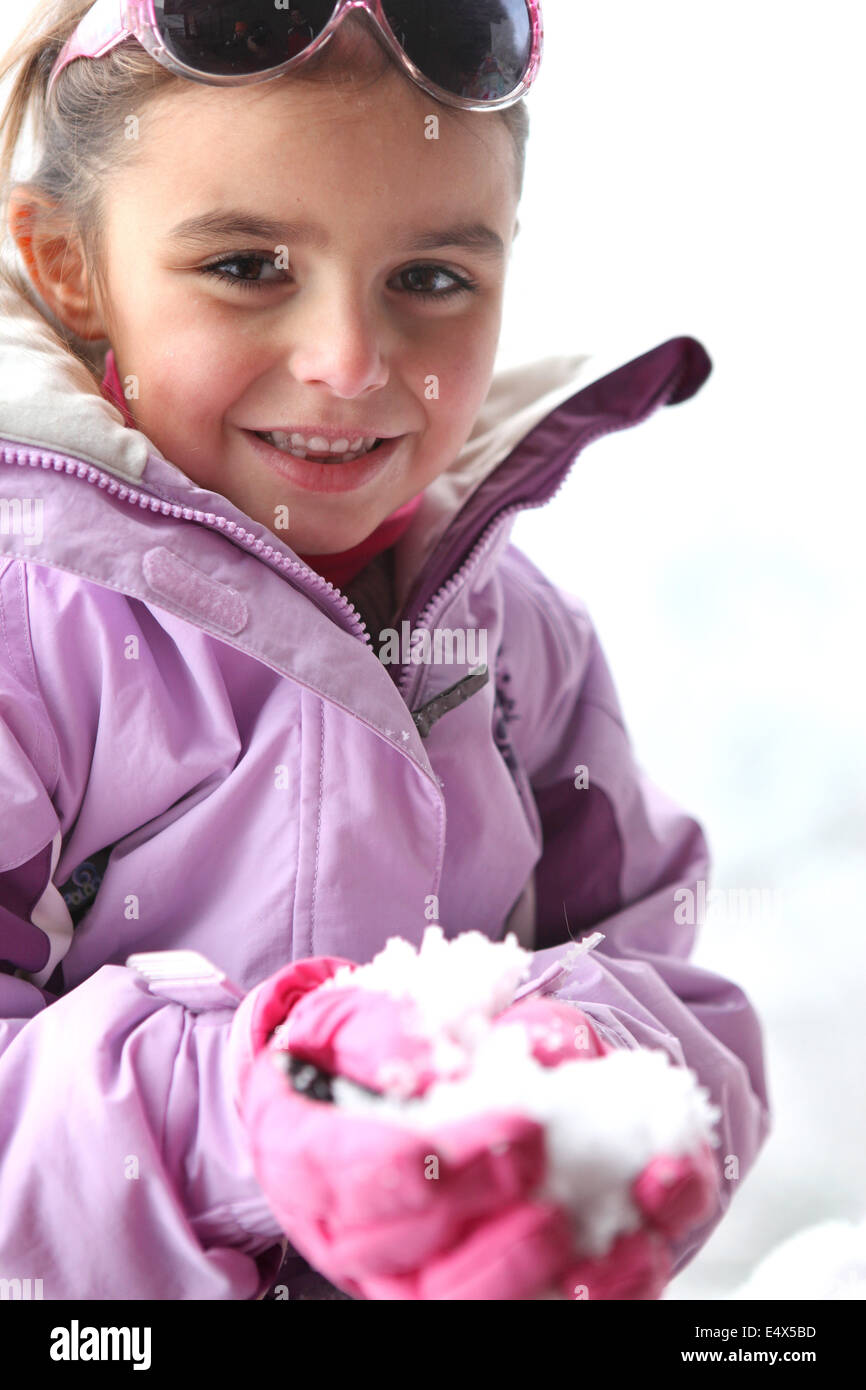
<point>423,277</point>
<point>248,271</point>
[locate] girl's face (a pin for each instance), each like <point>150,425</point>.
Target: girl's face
<point>302,260</point>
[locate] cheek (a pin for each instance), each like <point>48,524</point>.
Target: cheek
<point>462,382</point>
<point>183,352</point>
<point>457,349</point>
<point>184,394</point>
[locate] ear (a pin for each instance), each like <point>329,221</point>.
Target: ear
<point>55,261</point>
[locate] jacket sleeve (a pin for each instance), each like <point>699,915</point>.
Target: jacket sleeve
<point>124,1172</point>
<point>620,857</point>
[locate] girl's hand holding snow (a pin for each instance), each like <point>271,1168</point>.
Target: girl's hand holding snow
<point>419,1139</point>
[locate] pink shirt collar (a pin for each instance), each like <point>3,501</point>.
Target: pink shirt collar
<point>339,569</point>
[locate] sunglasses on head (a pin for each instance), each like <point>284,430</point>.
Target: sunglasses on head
<point>479,55</point>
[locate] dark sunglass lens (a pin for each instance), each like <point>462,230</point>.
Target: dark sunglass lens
<point>477,48</point>
<point>238,37</point>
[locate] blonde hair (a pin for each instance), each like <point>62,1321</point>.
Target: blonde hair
<point>79,137</point>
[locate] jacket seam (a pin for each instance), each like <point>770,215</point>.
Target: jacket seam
<point>247,649</point>
<point>588,702</point>
<point>580,698</point>
<point>551,589</point>
<point>319,805</point>
<point>31,682</point>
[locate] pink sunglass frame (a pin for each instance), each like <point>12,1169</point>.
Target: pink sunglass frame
<point>110,22</point>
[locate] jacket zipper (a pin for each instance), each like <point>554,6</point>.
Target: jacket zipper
<point>214,521</point>
<point>447,590</point>
<point>426,715</point>
<point>311,580</point>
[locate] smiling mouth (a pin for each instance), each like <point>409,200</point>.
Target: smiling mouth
<point>295,447</point>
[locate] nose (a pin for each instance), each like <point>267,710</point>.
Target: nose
<point>338,341</point>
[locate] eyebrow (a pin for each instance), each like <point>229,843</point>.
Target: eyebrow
<point>470,236</point>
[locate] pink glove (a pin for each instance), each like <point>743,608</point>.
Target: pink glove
<point>673,1194</point>
<point>351,1193</point>
<point>355,1193</point>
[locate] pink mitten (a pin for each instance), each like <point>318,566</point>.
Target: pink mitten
<point>370,1203</point>
<point>402,1162</point>
<point>673,1194</point>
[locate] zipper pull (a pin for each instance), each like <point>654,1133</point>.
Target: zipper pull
<point>425,717</point>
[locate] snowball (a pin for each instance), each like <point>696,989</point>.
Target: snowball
<point>604,1120</point>
<point>456,986</point>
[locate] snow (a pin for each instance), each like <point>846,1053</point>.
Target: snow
<point>720,545</point>
<point>604,1119</point>
<point>826,1261</point>
<point>454,983</point>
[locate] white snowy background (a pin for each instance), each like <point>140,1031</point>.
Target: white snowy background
<point>697,169</point>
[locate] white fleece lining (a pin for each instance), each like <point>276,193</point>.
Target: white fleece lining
<point>49,400</point>
<point>52,916</point>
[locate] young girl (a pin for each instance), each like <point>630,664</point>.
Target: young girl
<point>274,683</point>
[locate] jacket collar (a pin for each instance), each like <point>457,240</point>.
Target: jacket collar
<point>51,401</point>
<point>534,422</point>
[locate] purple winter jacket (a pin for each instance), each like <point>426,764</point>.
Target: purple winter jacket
<point>191,713</point>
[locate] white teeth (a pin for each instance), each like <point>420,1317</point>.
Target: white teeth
<point>301,446</point>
